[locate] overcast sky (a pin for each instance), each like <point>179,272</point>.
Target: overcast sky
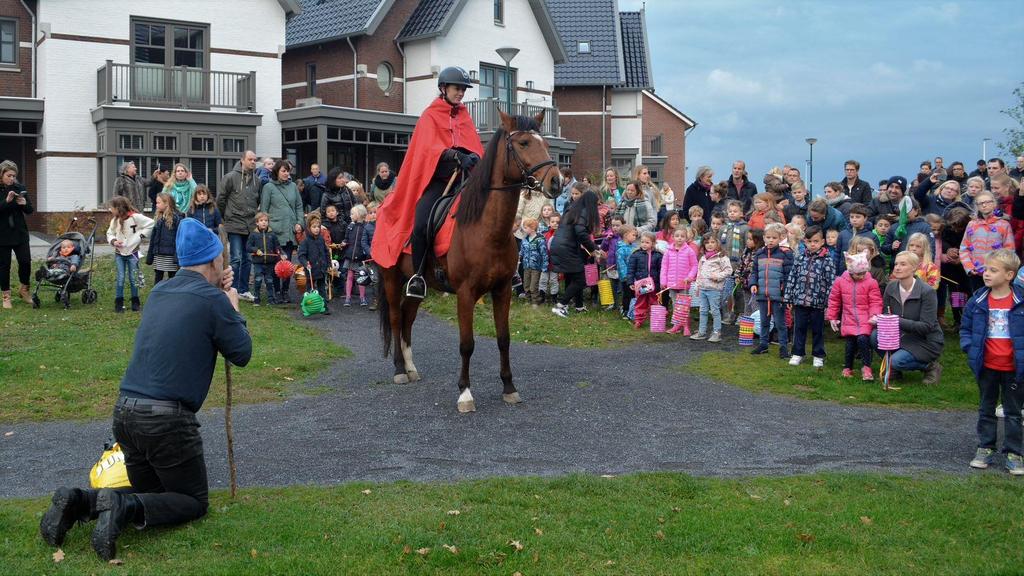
<point>889,83</point>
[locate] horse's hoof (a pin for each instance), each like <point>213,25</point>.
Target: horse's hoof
<point>401,379</point>
<point>414,376</point>
<point>512,398</point>
<point>467,406</point>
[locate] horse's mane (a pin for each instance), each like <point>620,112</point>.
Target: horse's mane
<point>477,189</point>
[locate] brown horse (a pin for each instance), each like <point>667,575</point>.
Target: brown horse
<point>482,257</point>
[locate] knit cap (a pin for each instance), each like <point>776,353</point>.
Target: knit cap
<point>196,244</point>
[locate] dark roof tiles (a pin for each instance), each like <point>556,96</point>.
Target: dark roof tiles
<point>427,19</point>
<point>594,21</point>
<point>635,53</point>
<point>322,20</point>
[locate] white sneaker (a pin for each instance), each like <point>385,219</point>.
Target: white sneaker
<point>247,296</point>
<point>999,412</point>
<point>560,310</point>
<point>819,363</point>
<point>795,360</point>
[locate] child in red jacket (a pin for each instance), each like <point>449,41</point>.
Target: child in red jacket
<point>853,307</point>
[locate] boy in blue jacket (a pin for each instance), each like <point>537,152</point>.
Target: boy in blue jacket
<point>767,284</point>
<point>533,255</point>
<point>992,336</point>
<point>265,251</point>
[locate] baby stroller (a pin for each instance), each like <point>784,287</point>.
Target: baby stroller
<point>79,281</point>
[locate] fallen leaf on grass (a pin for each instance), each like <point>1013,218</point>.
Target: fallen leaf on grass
<point>58,555</point>
<point>367,491</point>
<point>755,497</point>
<point>451,549</point>
<point>116,562</point>
<point>607,476</point>
<point>661,520</point>
<point>423,551</point>
<point>8,433</point>
<point>277,368</point>
<point>659,535</point>
<point>676,509</point>
<point>441,526</point>
<point>516,544</point>
<point>42,367</point>
<point>453,512</point>
<point>289,379</point>
<point>803,388</point>
<point>538,531</point>
<point>610,563</point>
<point>866,520</point>
<point>517,574</point>
<point>805,538</point>
<point>407,549</point>
<point>253,553</point>
<point>786,502</point>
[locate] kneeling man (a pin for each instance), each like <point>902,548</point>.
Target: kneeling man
<point>187,321</point>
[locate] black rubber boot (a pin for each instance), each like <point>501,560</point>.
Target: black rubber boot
<point>135,304</point>
<point>69,505</point>
<point>119,305</point>
<point>116,511</point>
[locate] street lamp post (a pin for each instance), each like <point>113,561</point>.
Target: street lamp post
<point>984,149</point>
<point>507,54</point>
<point>810,165</point>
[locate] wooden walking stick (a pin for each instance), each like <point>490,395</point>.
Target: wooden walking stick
<point>227,400</point>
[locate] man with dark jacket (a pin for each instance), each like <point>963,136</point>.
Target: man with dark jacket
<point>155,415</point>
<point>316,185</point>
<point>238,200</point>
<point>858,190</point>
<point>740,187</point>
<point>130,185</point>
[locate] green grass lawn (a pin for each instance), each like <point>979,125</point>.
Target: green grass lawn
<point>57,364</point>
<point>956,390</point>
<point>663,523</point>
<point>594,329</point>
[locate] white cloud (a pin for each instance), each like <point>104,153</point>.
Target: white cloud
<point>725,83</point>
<point>949,12</point>
<point>927,66</point>
<point>884,71</point>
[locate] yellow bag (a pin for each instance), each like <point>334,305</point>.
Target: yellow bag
<point>110,471</point>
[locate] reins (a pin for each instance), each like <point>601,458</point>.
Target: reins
<point>528,181</point>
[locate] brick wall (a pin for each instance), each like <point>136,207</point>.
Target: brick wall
<point>584,129</point>
<point>658,120</point>
<point>18,83</point>
<point>334,59</point>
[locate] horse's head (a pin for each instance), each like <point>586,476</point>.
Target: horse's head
<point>528,159</point>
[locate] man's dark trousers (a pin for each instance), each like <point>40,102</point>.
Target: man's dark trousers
<point>163,454</point>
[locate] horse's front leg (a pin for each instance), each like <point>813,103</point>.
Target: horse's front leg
<point>467,301</point>
<point>501,301</point>
<point>409,309</point>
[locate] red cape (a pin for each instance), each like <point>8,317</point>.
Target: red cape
<point>435,132</point>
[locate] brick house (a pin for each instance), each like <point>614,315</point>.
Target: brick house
<point>605,94</point>
<point>357,73</point>
<point>90,85</point>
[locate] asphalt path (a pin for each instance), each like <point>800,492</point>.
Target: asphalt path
<point>593,411</point>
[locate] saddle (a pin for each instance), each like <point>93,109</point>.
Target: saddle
<point>440,214</point>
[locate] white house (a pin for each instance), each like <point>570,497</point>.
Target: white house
<point>189,81</point>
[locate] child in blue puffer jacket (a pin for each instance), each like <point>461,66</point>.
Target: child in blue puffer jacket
<point>204,209</point>
<point>992,336</point>
<point>644,263</point>
<point>533,255</point>
<point>623,249</point>
<point>768,284</point>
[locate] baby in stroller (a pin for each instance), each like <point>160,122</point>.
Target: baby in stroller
<point>65,262</point>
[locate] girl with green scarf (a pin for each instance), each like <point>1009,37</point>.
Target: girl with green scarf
<point>181,187</point>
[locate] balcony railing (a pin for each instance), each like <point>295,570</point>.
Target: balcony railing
<point>175,87</point>
<point>652,146</point>
<point>485,114</point>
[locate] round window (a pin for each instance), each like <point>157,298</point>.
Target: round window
<point>385,76</point>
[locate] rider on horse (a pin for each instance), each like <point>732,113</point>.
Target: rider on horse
<point>445,140</point>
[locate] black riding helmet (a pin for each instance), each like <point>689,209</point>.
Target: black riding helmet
<point>453,75</point>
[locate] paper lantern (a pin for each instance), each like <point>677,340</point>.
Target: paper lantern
<point>958,299</point>
<point>605,293</point>
<point>283,269</point>
<point>659,314</point>
<point>591,274</point>
<point>888,332</point>
<point>746,324</point>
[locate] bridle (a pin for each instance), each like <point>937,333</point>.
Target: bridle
<point>528,181</point>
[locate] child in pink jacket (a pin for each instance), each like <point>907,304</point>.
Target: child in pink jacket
<point>678,264</point>
<point>853,306</point>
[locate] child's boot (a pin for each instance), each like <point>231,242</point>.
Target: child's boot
<point>135,304</point>
<point>686,328</point>
<point>119,305</point>
<point>7,299</point>
<point>675,329</point>
<point>847,372</point>
<point>24,293</point>
<point>866,375</point>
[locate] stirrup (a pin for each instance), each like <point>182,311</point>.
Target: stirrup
<point>416,287</point>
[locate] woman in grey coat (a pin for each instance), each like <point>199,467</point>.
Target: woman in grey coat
<point>281,201</point>
<point>921,339</point>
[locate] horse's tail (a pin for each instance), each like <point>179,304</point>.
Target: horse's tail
<point>385,318</point>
